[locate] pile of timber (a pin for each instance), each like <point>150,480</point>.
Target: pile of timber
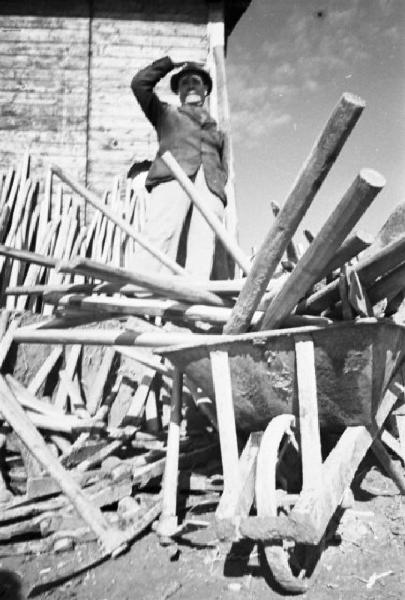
<point>101,443</point>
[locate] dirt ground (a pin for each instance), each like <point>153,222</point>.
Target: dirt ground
<point>364,559</point>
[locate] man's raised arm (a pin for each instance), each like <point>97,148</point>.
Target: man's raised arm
<point>144,82</point>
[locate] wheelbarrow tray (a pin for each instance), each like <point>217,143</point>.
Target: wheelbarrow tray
<point>354,362</point>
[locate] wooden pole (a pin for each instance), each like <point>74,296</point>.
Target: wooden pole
<point>228,241</point>
<point>349,210</point>
<point>108,337</point>
<point>30,257</point>
<point>109,214</point>
<point>308,182</point>
<point>368,269</point>
<point>388,286</point>
<point>111,539</point>
<point>172,287</point>
<point>351,247</point>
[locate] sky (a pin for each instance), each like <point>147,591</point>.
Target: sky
<point>288,63</point>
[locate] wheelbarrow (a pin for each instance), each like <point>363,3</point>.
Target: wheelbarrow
<point>281,390</point>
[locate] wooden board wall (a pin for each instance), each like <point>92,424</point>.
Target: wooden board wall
<point>44,59</point>
<point>65,73</point>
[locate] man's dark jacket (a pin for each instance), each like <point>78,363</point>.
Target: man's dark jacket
<point>187,131</point>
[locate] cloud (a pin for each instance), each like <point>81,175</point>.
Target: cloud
<point>296,48</point>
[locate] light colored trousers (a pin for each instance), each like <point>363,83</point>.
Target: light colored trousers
<point>168,208</point>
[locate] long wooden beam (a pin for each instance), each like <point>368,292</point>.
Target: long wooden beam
<point>172,287</point>
<point>108,337</point>
<point>309,180</point>
<point>220,231</point>
<point>111,539</point>
<point>92,199</point>
<point>368,269</point>
<point>347,213</point>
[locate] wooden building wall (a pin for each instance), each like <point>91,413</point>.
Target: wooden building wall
<point>65,72</point>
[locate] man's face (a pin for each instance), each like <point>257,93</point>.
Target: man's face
<point>192,89</point>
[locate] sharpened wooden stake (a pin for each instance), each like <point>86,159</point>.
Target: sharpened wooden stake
<point>92,199</point>
<point>349,210</point>
<point>111,539</point>
<point>229,243</point>
<point>309,180</point>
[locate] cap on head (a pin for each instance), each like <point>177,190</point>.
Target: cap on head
<point>191,67</point>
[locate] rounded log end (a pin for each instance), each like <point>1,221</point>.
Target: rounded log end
<point>365,236</point>
<point>353,99</point>
<point>372,178</point>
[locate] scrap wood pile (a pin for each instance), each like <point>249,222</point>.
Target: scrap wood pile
<point>104,432</point>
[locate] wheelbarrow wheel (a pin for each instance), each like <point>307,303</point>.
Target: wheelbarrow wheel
<point>286,561</point>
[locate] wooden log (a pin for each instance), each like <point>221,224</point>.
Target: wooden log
<point>109,214</point>
<point>349,249</point>
<point>178,288</point>
<point>349,210</point>
<point>219,229</point>
<point>388,286</point>
<point>309,180</point>
<point>111,540</point>
<point>369,269</point>
<point>105,337</point>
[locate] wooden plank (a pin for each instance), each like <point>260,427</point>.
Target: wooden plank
<point>71,366</point>
<point>240,503</point>
<point>111,540</point>
<point>310,439</point>
<point>8,338</point>
<point>316,506</point>
<point>168,521</point>
<point>43,372</point>
<point>226,424</point>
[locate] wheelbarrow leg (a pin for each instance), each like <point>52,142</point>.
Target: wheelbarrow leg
<point>310,440</point>
<point>168,523</point>
<point>315,507</point>
<point>226,426</point>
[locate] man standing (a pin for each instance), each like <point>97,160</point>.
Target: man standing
<point>192,136</point>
